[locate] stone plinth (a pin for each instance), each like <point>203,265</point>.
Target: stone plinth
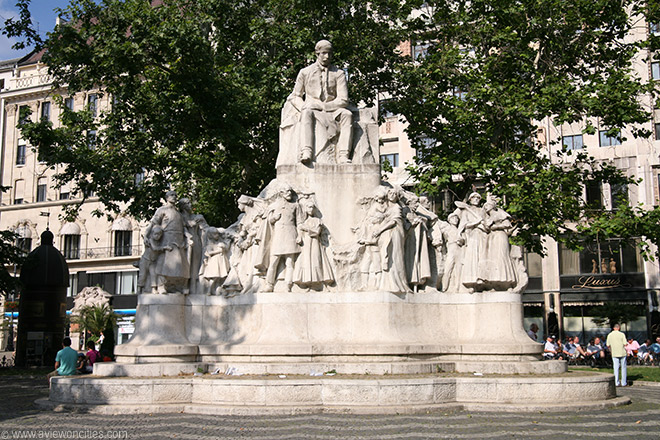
<point>337,189</point>
<point>275,395</point>
<point>333,327</point>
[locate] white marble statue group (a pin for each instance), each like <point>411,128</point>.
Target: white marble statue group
<point>280,241</point>
<point>404,246</point>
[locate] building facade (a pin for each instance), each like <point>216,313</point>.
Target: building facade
<point>99,252</point>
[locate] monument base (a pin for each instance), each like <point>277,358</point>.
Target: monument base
<point>333,328</point>
<point>365,394</point>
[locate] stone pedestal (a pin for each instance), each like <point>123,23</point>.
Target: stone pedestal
<point>337,190</point>
<point>480,329</point>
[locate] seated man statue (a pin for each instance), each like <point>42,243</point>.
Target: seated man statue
<point>325,102</point>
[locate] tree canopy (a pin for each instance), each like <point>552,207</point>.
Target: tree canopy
<point>197,89</point>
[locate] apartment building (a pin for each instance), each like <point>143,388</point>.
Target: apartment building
<point>99,252</point>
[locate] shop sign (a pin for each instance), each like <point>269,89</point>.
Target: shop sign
<point>598,282</point>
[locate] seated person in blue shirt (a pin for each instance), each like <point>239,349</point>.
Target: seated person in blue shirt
<point>66,360</point>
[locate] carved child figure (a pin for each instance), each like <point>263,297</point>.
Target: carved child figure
<point>216,266</point>
<point>152,256</point>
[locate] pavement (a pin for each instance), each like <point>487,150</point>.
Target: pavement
<point>19,418</point>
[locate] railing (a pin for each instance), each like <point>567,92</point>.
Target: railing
<point>104,252</point>
<point>29,81</point>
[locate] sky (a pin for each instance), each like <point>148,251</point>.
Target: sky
<point>43,17</point>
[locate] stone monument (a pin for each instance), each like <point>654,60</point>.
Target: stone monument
<point>330,269</point>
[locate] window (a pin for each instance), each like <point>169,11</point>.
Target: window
<point>104,280</point>
<point>19,188</point>
<point>92,101</point>
<point>420,50</point>
<point>72,247</point>
<point>68,103</point>
<point>608,141</point>
<point>72,290</point>
<point>460,93</point>
<point>24,244</point>
<point>91,139</point>
<point>42,185</point>
<point>594,194</point>
<point>126,283</point>
<point>123,243</point>
<point>65,192</point>
<point>392,159</point>
<point>657,131</point>
<point>574,142</point>
<point>619,195</point>
<point>20,153</point>
<point>23,114</point>
<point>605,257</point>
<point>654,28</point>
<point>45,111</point>
<point>655,70</point>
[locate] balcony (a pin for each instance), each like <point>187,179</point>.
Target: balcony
<point>102,252</point>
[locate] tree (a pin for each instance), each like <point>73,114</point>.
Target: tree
<point>492,73</point>
<point>612,313</point>
<point>197,88</point>
<point>95,319</point>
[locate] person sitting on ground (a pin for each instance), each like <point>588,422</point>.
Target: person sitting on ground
<point>92,356</point>
<point>550,349</point>
<point>65,360</point>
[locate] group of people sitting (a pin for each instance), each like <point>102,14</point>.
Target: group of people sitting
<point>69,362</point>
<point>597,351</point>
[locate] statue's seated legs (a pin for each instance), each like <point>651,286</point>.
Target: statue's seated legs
<point>341,120</point>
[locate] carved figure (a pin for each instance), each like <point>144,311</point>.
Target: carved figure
<point>216,264</point>
<point>417,245</point>
<point>391,240</point>
<point>250,242</point>
<point>282,216</point>
<point>370,264</point>
<point>151,258</point>
<point>472,227</point>
<point>320,96</point>
<point>312,266</point>
<point>603,266</point>
<point>594,266</point>
<point>612,265</point>
<point>497,268</point>
<point>195,230</point>
<point>174,269</point>
<point>453,243</point>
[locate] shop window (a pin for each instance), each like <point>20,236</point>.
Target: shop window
<point>72,290</point>
<point>605,257</point>
<point>104,280</point>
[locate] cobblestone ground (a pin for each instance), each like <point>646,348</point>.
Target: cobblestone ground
<point>19,419</point>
